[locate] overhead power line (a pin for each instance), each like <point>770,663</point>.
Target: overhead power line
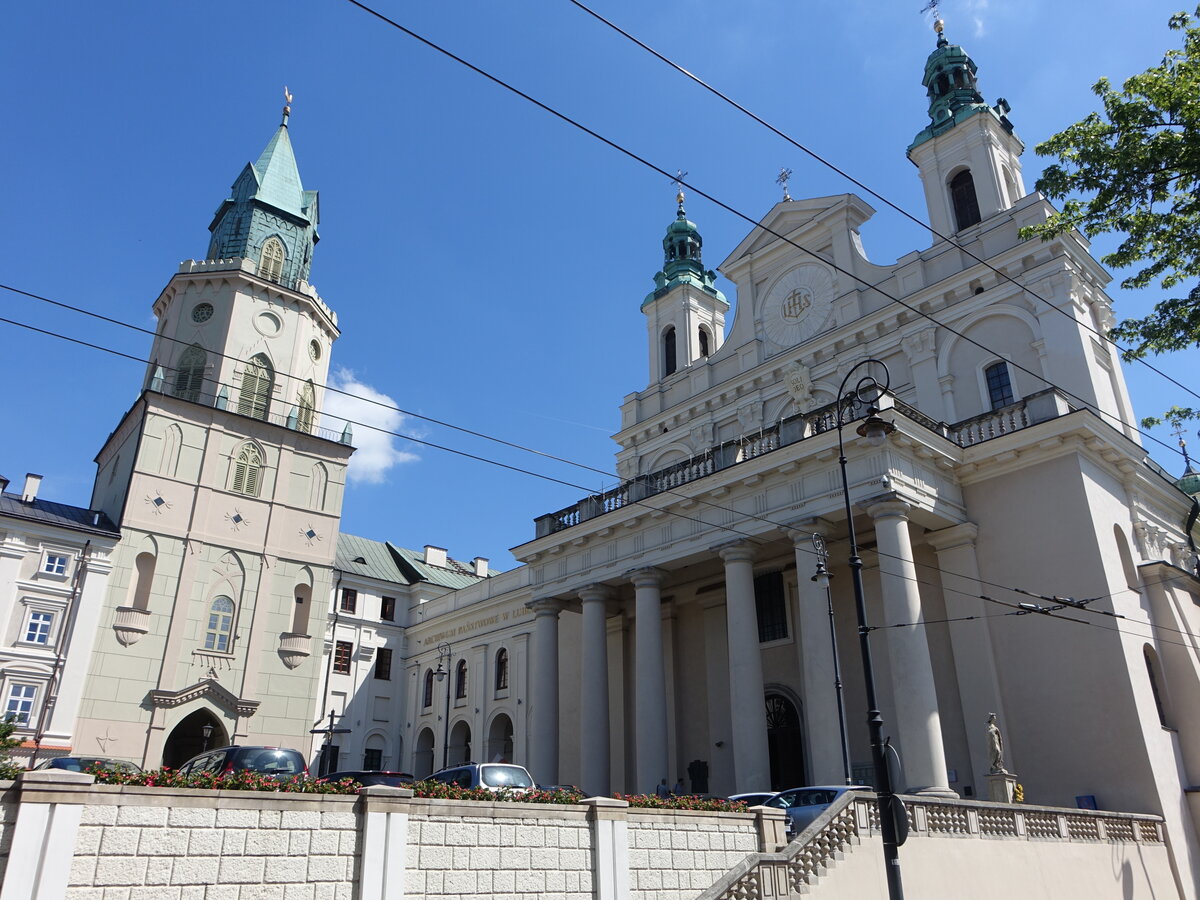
<point>859,184</point>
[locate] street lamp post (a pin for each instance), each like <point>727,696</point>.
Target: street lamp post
<point>822,577</point>
<point>875,429</point>
<point>442,672</point>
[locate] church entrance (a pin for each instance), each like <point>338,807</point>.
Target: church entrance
<point>197,732</point>
<point>785,743</point>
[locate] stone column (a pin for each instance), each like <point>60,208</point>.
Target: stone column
<point>822,728</point>
<point>650,692</point>
<point>748,710</point>
<point>917,721</point>
<point>974,660</point>
<point>594,770</point>
<point>543,711</point>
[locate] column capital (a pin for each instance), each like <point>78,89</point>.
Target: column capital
<point>801,531</point>
<point>592,592</point>
<point>647,577</point>
<point>737,551</point>
<point>964,534</point>
<point>546,606</point>
<point>887,506</point>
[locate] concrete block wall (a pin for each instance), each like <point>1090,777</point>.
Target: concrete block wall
<point>674,856</point>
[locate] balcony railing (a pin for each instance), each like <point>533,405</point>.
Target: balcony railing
<point>1031,410</point>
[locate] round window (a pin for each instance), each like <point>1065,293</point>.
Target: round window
<point>314,350</point>
<point>202,312</point>
<point>268,323</point>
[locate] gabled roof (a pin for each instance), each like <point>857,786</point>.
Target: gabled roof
<point>58,514</point>
<point>454,575</point>
<point>787,216</point>
<point>377,560</point>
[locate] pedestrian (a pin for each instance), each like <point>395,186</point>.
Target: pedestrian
<point>678,790</point>
<point>662,790</point>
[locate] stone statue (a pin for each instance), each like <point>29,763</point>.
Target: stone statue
<point>995,746</point>
<point>799,385</point>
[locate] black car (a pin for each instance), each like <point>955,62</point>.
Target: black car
<point>278,762</point>
<point>370,778</point>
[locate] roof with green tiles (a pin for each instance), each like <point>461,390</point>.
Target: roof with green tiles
<point>371,559</point>
<point>455,574</point>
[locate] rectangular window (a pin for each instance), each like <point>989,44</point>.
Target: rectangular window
<point>37,631</point>
<point>999,385</point>
<point>342,652</point>
<point>55,564</point>
<point>387,609</point>
<point>20,702</point>
<point>349,600</point>
<point>771,601</point>
<point>372,760</point>
<point>383,664</point>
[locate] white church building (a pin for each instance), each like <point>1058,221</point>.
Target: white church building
<point>672,627</point>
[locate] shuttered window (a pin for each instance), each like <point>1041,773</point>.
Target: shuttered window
<point>189,375</point>
<point>257,382</point>
<point>247,470</point>
<point>270,261</point>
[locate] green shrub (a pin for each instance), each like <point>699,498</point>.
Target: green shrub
<point>8,768</point>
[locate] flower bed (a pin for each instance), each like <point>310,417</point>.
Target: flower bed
<point>242,780</point>
<point>686,801</point>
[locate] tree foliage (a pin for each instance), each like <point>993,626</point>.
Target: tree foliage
<point>8,743</point>
<point>1135,170</point>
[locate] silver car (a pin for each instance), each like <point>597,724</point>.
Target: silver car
<point>804,804</point>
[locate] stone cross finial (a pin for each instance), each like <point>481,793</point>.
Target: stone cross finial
<point>784,174</point>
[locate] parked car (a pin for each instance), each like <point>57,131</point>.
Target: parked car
<point>369,778</point>
<point>754,798</point>
<point>83,763</point>
<point>491,776</point>
<point>804,804</point>
<point>278,762</point>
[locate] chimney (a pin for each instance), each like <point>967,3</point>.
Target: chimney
<point>32,483</point>
<point>435,556</point>
<point>481,566</point>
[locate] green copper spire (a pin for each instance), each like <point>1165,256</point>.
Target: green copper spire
<point>269,208</point>
<point>681,258</point>
<point>952,89</point>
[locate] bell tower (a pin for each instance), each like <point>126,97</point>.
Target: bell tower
<point>685,313</point>
<point>969,157</point>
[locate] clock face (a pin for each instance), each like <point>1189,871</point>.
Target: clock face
<point>202,312</point>
<point>314,350</point>
<point>798,306</point>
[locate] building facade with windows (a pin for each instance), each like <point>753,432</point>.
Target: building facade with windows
<point>55,562</point>
<point>228,493</point>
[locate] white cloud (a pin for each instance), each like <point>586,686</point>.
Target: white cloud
<point>976,9</point>
<point>377,451</point>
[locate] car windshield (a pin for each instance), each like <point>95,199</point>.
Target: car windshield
<point>505,776</point>
<point>271,762</point>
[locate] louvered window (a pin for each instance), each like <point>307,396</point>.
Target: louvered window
<point>247,470</point>
<point>220,625</point>
<point>257,381</point>
<point>306,406</point>
<point>270,264</point>
<point>189,376</point>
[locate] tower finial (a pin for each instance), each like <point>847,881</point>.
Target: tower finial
<point>287,105</point>
<point>680,174</point>
<point>784,175</point>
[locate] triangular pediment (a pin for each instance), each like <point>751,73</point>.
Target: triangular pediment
<point>788,217</point>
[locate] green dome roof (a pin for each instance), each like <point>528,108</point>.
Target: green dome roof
<point>1190,482</point>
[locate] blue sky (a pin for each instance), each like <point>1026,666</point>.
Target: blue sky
<point>486,261</point>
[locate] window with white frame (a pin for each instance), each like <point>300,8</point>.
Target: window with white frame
<point>999,385</point>
<point>220,625</point>
<point>37,627</point>
<point>20,703</point>
<point>56,563</point>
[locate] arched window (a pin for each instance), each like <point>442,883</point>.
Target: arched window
<point>247,470</point>
<point>999,386</point>
<point>307,403</point>
<point>668,343</point>
<point>257,383</point>
<point>427,696</point>
<point>270,260</point>
<point>189,376</point>
<point>962,195</point>
<point>705,345</point>
<point>460,680</point>
<point>501,669</point>
<point>219,633</point>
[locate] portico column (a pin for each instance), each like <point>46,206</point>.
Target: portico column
<point>747,707</point>
<point>917,720</point>
<point>543,712</point>
<point>974,661</point>
<point>593,700</point>
<point>822,726</point>
<point>650,691</point>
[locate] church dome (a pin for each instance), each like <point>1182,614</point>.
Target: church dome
<point>1190,482</point>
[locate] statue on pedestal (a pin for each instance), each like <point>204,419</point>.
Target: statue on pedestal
<point>995,746</point>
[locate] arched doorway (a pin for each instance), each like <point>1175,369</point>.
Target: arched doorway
<point>423,756</point>
<point>500,740</point>
<point>187,739</point>
<point>785,743</point>
<point>460,744</point>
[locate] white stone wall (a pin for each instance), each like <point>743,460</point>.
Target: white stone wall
<point>672,856</point>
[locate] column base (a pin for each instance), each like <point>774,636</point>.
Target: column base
<point>1000,786</point>
<point>934,791</point>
